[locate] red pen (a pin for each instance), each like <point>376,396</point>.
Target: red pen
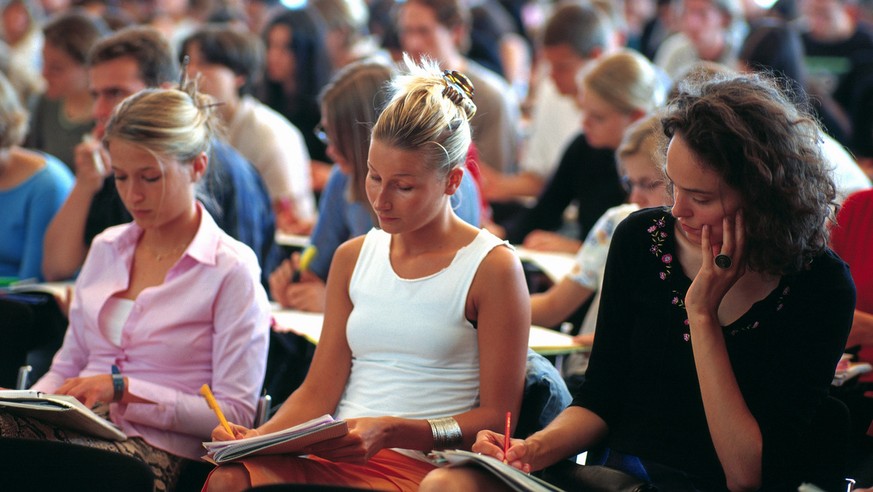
<point>506,435</point>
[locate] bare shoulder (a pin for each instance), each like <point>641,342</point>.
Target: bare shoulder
<point>347,254</point>
<point>500,265</point>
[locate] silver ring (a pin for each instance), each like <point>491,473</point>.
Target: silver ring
<point>723,261</point>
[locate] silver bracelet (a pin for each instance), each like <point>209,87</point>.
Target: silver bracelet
<point>446,433</point>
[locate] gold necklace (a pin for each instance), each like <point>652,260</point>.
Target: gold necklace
<point>166,254</point>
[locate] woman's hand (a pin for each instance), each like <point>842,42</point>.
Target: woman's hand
<point>220,433</point>
<point>306,296</point>
<point>287,220</point>
<point>551,241</point>
<point>490,443</point>
<point>90,163</point>
<point>279,280</point>
<point>89,390</point>
<point>712,282</point>
<point>309,294</point>
<point>584,339</point>
<point>367,436</point>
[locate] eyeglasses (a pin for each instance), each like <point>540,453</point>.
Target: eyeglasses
<point>321,134</point>
<point>644,186</point>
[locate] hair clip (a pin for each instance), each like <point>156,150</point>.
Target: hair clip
<point>183,77</point>
<point>211,105</point>
<point>457,86</point>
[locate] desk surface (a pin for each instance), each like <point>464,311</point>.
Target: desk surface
<point>308,325</point>
<point>291,240</point>
<point>555,265</point>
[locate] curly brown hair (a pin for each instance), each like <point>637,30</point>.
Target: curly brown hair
<point>762,145</point>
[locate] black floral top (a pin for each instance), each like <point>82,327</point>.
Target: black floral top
<point>642,379</point>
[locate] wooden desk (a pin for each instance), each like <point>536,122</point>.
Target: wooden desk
<point>308,325</point>
<point>555,265</point>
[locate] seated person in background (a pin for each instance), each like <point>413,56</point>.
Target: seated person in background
<point>33,186</point>
<point>296,68</point>
<point>722,319</point>
<point>574,36</point>
<point>618,89</point>
<point>120,65</point>
<point>348,38</point>
<point>852,239</point>
<point>775,47</point>
<point>350,104</point>
<point>709,30</point>
<point>641,174</point>
<point>22,36</point>
<point>440,29</point>
<point>836,49</point>
<point>433,308</point>
<point>230,63</point>
<point>169,299</point>
<point>64,113</point>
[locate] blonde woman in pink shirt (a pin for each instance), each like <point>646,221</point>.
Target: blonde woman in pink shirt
<point>163,304</point>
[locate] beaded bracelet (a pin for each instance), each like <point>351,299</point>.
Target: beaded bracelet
<point>446,433</point>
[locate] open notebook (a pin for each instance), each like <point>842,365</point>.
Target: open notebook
<point>513,477</point>
<point>287,441</point>
<point>61,410</point>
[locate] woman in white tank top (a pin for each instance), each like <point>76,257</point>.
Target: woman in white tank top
<point>427,318</point>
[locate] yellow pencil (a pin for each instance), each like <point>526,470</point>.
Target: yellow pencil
<point>210,400</point>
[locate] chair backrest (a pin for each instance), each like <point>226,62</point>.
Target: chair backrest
<point>36,465</point>
<point>545,395</point>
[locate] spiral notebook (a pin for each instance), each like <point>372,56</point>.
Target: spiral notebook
<point>512,477</point>
<point>63,411</point>
<point>287,441</point>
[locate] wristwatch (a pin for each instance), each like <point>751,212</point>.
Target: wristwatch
<point>117,383</point>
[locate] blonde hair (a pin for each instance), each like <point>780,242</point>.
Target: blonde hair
<point>643,137</point>
<point>168,122</point>
<point>13,116</point>
<point>626,81</point>
<point>427,113</point>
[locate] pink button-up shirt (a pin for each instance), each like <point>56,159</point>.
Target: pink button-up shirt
<point>207,323</point>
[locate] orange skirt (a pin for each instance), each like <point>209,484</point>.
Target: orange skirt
<point>387,470</point>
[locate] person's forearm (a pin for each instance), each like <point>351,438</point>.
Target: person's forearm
<point>735,432</point>
<point>64,243</point>
<point>521,185</point>
<point>417,433</point>
<point>554,306</point>
<point>862,329</point>
<point>576,429</point>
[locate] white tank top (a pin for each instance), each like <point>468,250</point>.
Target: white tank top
<point>414,354</point>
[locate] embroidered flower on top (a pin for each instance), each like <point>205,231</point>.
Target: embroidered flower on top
<point>659,235</point>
